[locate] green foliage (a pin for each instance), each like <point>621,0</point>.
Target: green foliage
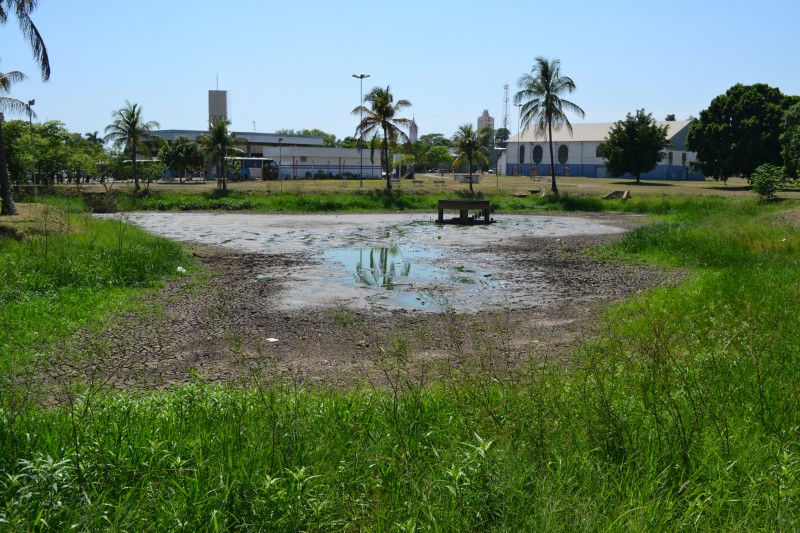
<point>126,133</point>
<point>790,141</point>
<point>501,135</point>
<point>469,145</point>
<point>682,414</point>
<point>739,131</point>
<point>382,125</point>
<point>217,144</point>
<point>634,145</point>
<point>767,180</point>
<point>542,105</point>
<point>181,155</point>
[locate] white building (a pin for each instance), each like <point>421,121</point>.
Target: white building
<point>577,154</point>
<point>317,162</point>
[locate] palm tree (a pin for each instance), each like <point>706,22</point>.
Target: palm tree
<point>542,104</point>
<point>22,10</point>
<point>217,143</point>
<point>15,106</point>
<point>470,147</point>
<point>380,121</point>
<point>127,131</point>
<point>94,138</point>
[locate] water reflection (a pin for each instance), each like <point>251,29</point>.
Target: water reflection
<point>386,267</point>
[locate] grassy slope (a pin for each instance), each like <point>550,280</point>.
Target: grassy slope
<point>684,415</point>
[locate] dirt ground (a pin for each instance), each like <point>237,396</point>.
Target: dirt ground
<point>218,325</point>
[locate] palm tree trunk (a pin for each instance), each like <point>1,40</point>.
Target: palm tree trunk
<point>385,158</point>
<point>469,167</point>
<point>8,207</point>
<point>224,172</point>
<point>133,163</point>
<point>553,186</point>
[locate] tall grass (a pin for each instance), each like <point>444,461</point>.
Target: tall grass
<point>682,414</point>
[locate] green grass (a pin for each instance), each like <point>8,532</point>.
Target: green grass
<point>682,414</point>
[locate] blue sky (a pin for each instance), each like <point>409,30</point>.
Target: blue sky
<point>288,64</point>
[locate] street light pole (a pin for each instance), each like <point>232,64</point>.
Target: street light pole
<point>361,133</point>
<point>519,135</point>
<point>33,155</point>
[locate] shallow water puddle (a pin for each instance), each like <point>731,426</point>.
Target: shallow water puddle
<point>386,260</point>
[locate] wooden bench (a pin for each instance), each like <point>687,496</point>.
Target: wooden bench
<point>417,182</point>
<point>394,181</point>
<point>439,182</point>
<point>464,207</point>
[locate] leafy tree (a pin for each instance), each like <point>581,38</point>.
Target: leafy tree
<point>127,130</point>
<point>181,154</point>
<point>22,10</point>
<point>438,156</point>
<point>540,95</point>
<point>739,131</point>
<point>328,139</point>
<point>470,146</point>
<point>8,104</point>
<point>501,135</point>
<point>767,179</point>
<point>435,139</point>
<point>349,142</point>
<point>380,121</point>
<point>217,144</point>
<point>634,145</point>
<point>670,117</point>
<point>790,140</point>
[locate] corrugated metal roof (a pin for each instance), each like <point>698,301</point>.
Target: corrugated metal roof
<point>591,132</point>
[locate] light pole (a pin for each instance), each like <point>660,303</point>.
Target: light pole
<point>33,155</point>
<point>361,133</point>
<point>280,160</point>
<point>519,135</point>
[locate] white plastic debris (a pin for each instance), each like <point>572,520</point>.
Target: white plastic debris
<point>272,339</point>
<point>181,270</point>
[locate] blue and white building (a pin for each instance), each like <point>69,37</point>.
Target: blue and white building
<point>577,153</point>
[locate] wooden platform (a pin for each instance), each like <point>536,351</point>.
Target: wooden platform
<point>464,207</point>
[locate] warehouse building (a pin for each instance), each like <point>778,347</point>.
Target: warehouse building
<point>577,153</point>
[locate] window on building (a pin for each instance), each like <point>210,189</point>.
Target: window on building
<point>669,155</point>
<point>598,152</point>
<point>683,159</point>
<point>537,154</point>
<point>521,153</point>
<point>563,154</point>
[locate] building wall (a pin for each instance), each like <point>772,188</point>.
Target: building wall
<point>583,161</point>
<point>303,162</point>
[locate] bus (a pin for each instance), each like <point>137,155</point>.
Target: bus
<point>256,168</point>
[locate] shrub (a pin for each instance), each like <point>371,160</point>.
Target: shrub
<point>766,180</point>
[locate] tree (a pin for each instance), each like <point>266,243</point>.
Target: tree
<point>181,154</point>
<point>127,131</point>
<point>438,156</point>
<point>739,131</point>
<point>22,10</point>
<point>94,138</point>
<point>218,143</point>
<point>790,140</point>
<point>8,104</point>
<point>469,145</point>
<point>540,95</point>
<point>766,180</point>
<point>670,117</point>
<point>380,121</point>
<point>634,145</point>
<point>501,135</point>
